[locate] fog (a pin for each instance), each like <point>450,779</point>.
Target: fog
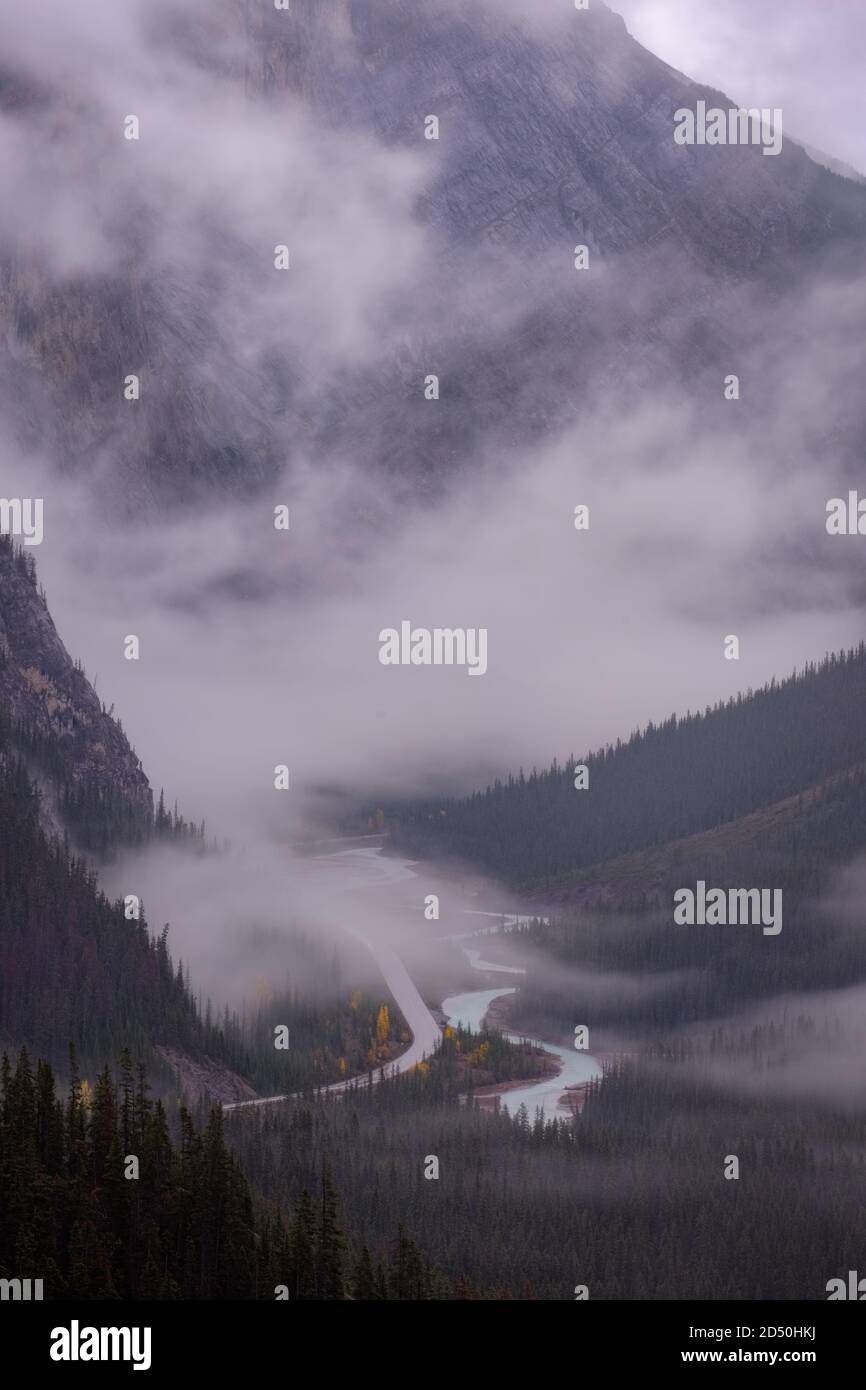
<point>823,1065</point>
<point>589,633</point>
<point>260,647</point>
<point>788,53</point>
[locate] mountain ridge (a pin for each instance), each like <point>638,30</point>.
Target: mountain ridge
<point>754,751</point>
<point>55,717</point>
<point>547,138</point>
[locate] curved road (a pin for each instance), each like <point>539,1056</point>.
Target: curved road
<point>426,1033</point>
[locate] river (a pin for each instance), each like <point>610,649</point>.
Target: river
<point>344,874</point>
<point>470,1010</point>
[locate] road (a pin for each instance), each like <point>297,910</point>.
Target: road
<point>355,871</point>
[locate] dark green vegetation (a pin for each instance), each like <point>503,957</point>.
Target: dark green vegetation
<point>73,968</point>
<point>327,1198</point>
<point>52,715</point>
<point>335,1031</point>
<point>803,738</point>
<point>184,1228</point>
<point>767,791</point>
<point>98,816</point>
<point>631,1200</point>
<point>640,970</point>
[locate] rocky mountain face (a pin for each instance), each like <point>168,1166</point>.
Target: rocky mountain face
<point>549,136</point>
<point>83,759</point>
<point>545,132</point>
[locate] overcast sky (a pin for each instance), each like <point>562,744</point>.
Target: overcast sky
<point>803,55</point>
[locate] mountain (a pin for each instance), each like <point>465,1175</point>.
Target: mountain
<point>73,968</point>
<point>781,766</point>
<point>836,166</point>
<point>550,135</point>
<point>546,132</point>
<point>766,791</point>
<point>54,716</point>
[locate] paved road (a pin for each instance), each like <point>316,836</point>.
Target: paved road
<point>359,870</point>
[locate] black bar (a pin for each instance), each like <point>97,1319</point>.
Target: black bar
<point>262,1339</point>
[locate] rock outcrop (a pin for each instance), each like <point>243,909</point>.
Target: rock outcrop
<point>80,753</point>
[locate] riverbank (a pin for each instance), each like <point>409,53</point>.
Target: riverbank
<point>572,1096</point>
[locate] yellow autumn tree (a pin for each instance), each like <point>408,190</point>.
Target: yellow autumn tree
<point>383,1026</point>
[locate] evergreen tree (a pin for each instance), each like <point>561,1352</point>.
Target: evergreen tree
<point>330,1281</point>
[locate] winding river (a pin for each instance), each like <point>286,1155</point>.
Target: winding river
<point>470,1010</point>
<point>343,874</point>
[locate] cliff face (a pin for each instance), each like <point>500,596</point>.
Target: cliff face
<point>545,131</point>
<point>549,137</point>
<point>56,718</point>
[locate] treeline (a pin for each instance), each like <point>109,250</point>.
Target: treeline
<point>51,715</point>
<point>100,1201</point>
<point>316,1201</point>
<point>180,1226</point>
<point>675,974</point>
<point>630,1199</point>
<point>667,781</point>
<point>334,1031</point>
<point>99,815</point>
<point>486,1058</point>
<point>797,844</point>
<point>72,967</point>
<point>24,562</point>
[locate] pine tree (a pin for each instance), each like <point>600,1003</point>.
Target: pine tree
<point>364,1285</point>
<point>331,1245</point>
<point>302,1284</point>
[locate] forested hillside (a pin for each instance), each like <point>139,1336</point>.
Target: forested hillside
<point>78,1215</point>
<point>666,782</point>
<point>52,714</point>
<point>73,968</point>
<point>684,973</point>
<point>630,1199</point>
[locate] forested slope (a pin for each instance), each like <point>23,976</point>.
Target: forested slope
<point>73,968</point>
<point>630,1200</point>
<point>669,781</point>
<point>182,1225</point>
